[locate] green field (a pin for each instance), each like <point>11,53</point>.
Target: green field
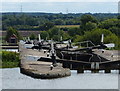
<point>67,26</point>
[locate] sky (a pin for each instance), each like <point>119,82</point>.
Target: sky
<point>60,0</point>
<point>60,6</point>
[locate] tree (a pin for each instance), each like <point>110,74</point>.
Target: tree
<point>95,36</point>
<point>78,38</point>
<point>109,23</point>
<point>112,38</point>
<point>10,32</point>
<point>56,34</point>
<point>53,31</point>
<point>88,22</point>
<point>46,26</point>
<point>59,22</point>
<point>75,31</point>
<point>44,35</point>
<point>115,30</point>
<point>90,26</point>
<point>64,35</point>
<point>32,36</point>
<point>87,18</point>
<point>118,17</point>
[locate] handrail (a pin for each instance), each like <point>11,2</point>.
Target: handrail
<point>87,42</point>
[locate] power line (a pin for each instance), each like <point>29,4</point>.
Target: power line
<point>21,8</point>
<point>119,7</point>
<point>67,11</point>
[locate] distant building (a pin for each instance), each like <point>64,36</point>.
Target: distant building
<point>119,7</point>
<point>13,39</point>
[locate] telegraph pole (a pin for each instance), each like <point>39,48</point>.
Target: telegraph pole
<point>21,9</point>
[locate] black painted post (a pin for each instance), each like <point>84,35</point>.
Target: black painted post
<point>64,65</point>
<point>53,56</point>
<point>107,70</point>
<point>39,46</point>
<point>80,69</point>
<point>70,45</point>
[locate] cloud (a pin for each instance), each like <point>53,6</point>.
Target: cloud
<point>60,0</point>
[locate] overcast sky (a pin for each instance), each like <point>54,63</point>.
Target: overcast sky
<point>57,6</point>
<point>60,0</point>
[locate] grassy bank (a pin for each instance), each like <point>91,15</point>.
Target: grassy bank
<point>9,59</point>
<point>67,26</point>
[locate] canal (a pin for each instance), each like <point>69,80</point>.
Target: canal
<point>13,79</point>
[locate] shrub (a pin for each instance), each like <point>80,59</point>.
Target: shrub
<point>10,59</point>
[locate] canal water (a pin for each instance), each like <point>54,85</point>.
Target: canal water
<point>13,79</point>
<point>13,50</point>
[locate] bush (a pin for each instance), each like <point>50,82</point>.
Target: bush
<point>10,59</point>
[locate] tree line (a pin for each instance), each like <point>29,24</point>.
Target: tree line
<point>36,21</point>
<point>90,28</point>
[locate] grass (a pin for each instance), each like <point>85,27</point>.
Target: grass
<point>67,26</point>
<point>9,64</point>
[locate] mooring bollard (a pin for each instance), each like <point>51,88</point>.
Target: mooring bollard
<point>48,54</point>
<point>51,67</point>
